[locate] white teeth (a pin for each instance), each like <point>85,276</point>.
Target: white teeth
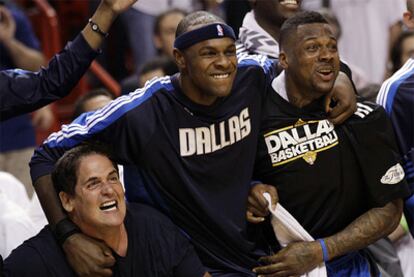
<point>325,71</point>
<point>221,76</point>
<point>289,2</point>
<point>108,206</point>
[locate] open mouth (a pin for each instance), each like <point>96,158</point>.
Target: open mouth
<point>326,73</point>
<point>109,206</point>
<point>289,3</point>
<point>221,76</point>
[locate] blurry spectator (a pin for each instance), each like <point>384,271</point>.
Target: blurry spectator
<point>370,92</point>
<point>162,37</point>
<point>164,30</point>
<point>139,22</point>
<point>402,50</point>
<point>92,101</point>
<point>19,48</point>
<point>358,76</point>
<point>158,67</point>
<point>368,30</point>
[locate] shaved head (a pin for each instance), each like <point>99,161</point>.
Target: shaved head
<point>198,19</point>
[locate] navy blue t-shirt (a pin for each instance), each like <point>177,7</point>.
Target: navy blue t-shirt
<point>156,248</point>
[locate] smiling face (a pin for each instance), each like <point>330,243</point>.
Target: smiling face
<point>208,69</point>
<point>311,60</point>
<point>98,201</point>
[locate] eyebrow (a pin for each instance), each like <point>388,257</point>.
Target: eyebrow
<point>90,179</point>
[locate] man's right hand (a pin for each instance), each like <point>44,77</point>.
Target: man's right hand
<point>87,256</point>
<point>118,6</point>
<point>257,206</point>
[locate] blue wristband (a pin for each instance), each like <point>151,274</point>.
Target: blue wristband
<point>324,250</point>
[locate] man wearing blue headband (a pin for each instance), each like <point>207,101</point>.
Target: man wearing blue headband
<point>193,138</point>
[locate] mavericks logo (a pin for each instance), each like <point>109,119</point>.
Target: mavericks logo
<point>302,140</point>
<point>394,175</point>
<point>204,140</point>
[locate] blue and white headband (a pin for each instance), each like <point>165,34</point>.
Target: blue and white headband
<point>211,31</point>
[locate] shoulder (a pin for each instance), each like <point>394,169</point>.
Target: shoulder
<point>366,110</point>
<point>37,254</point>
<point>402,81</point>
<point>260,61</point>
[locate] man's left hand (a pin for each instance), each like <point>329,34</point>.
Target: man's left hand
<point>345,97</point>
<point>295,259</point>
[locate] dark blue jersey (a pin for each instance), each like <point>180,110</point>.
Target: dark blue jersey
<point>196,161</point>
<point>328,175</point>
<point>397,97</point>
<point>155,248</point>
<point>25,91</point>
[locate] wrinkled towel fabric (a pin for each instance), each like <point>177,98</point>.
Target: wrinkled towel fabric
<point>287,229</point>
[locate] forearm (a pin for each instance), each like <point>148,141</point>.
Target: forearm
<point>366,229</point>
<point>49,199</point>
<point>103,16</point>
<point>24,57</point>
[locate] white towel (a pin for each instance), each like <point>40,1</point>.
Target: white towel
<point>287,229</point>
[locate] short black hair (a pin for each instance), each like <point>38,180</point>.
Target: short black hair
<point>65,173</point>
<point>164,63</point>
<point>291,24</point>
<point>159,18</point>
<point>196,18</point>
<point>79,105</point>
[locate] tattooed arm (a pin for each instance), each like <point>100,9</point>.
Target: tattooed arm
<point>301,257</point>
<point>366,229</point>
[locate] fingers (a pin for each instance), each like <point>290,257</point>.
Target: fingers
<point>340,113</point>
<point>260,199</point>
<point>254,219</point>
<point>256,207</point>
<point>276,269</point>
<point>274,196</point>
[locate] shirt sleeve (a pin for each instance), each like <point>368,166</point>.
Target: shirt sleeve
<point>125,125</point>
<point>33,266</point>
<point>372,139</point>
<point>25,91</point>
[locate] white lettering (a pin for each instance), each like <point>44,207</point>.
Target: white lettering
<point>187,142</point>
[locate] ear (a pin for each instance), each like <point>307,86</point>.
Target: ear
<point>283,60</point>
<point>67,201</point>
<point>179,59</point>
<point>157,41</point>
<point>408,19</point>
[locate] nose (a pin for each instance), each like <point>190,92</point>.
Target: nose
<point>107,188</point>
<point>222,61</point>
<point>325,54</point>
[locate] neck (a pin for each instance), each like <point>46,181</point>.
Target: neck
<point>115,237</point>
<point>194,93</point>
<point>299,97</point>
